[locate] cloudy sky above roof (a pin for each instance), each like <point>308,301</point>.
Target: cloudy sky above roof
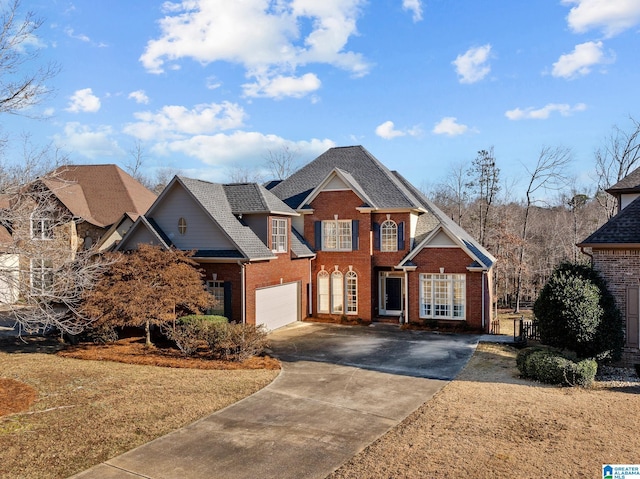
<point>211,86</point>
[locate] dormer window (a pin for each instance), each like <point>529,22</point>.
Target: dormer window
<point>279,235</point>
<point>41,228</point>
<point>389,236</point>
<point>182,226</point>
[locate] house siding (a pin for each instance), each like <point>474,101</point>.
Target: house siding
<point>621,270</point>
<point>202,232</point>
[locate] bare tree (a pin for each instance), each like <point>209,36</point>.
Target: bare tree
<point>281,163</point>
<point>485,181</point>
<point>241,174</point>
<point>22,85</point>
<point>44,276</point>
<point>616,159</point>
<point>547,175</point>
<point>452,194</point>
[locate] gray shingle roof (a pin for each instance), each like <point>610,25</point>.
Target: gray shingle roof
<point>375,179</point>
<point>246,198</point>
<point>624,228</point>
<point>628,184</point>
<point>299,246</point>
<point>436,213</point>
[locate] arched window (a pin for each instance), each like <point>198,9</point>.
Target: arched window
<point>351,284</point>
<point>323,292</point>
<point>337,293</point>
<point>389,236</point>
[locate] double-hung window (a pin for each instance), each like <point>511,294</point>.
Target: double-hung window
<point>41,276</point>
<point>336,235</point>
<point>337,293</point>
<point>279,235</point>
<point>443,296</point>
<point>41,227</point>
<point>216,289</point>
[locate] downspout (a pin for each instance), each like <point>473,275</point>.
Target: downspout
<point>310,293</point>
<point>243,295</point>
<point>406,296</point>
<point>484,277</point>
<point>587,254</point>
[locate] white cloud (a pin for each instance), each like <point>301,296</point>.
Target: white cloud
<point>472,65</point>
<point>610,16</point>
<point>93,144</point>
<point>175,122</point>
<point>283,86</point>
<point>212,83</point>
<point>77,36</point>
<point>239,147</point>
<point>543,113</point>
<point>84,101</point>
<point>387,130</point>
<point>139,96</point>
<point>414,6</point>
<point>265,37</point>
<point>449,126</point>
<point>580,60</point>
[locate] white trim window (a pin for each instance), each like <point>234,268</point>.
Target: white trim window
<point>182,226</point>
<point>337,293</point>
<point>389,236</point>
<point>323,292</point>
<point>443,296</point>
<point>41,276</point>
<point>279,235</point>
<point>336,235</point>
<point>41,227</point>
<point>216,289</point>
<point>351,283</point>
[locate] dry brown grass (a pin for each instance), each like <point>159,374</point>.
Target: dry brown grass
<point>89,411</point>
<point>506,318</point>
<point>489,423</point>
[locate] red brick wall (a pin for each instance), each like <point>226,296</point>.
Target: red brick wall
<point>620,268</point>
<point>343,203</point>
<point>454,261</point>
<point>258,275</point>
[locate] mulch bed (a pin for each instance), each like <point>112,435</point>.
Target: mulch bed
<point>133,351</point>
<point>15,396</point>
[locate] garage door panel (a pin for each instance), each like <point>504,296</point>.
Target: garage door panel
<point>277,306</point>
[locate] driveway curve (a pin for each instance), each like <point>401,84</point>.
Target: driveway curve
<point>339,390</point>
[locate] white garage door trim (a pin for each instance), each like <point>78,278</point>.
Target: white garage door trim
<point>277,306</point>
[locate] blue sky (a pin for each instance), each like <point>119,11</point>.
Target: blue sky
<point>208,87</point>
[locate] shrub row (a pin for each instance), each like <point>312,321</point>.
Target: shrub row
<point>553,367</point>
<point>229,341</point>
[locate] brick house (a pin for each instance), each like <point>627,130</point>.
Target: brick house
<point>254,263</point>
<point>49,220</point>
<point>615,252</point>
<point>383,250</point>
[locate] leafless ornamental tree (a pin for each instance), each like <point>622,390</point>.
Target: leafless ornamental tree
<point>549,174</point>
<point>44,276</point>
<point>616,159</point>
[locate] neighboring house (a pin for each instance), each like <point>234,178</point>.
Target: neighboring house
<point>256,266</point>
<point>70,208</point>
<point>383,250</point>
<point>615,252</point>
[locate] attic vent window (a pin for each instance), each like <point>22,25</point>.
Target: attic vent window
<point>182,226</point>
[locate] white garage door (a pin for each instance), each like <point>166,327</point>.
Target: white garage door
<point>277,306</point>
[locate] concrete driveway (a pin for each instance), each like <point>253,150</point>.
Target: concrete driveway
<point>340,389</point>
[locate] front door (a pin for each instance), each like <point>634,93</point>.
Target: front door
<point>391,294</point>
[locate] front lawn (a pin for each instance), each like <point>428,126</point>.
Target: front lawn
<point>88,411</point>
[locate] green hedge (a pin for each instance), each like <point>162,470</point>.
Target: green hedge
<point>210,318</point>
<point>553,367</point>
